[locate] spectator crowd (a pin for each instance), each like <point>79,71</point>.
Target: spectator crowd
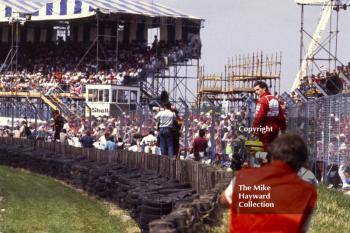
<point>340,76</point>
<point>137,132</point>
<point>41,66</point>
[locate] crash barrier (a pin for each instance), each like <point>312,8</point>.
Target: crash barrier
<point>162,194</point>
<point>325,125</point>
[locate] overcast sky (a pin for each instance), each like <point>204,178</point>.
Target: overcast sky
<point>246,26</point>
<point>235,27</point>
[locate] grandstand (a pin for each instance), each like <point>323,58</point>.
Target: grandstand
<point>50,51</point>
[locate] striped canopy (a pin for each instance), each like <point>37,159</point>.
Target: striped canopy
<point>74,9</point>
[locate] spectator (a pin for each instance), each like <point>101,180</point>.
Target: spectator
<point>289,154</point>
<point>63,136</point>
<point>25,130</point>
<point>199,146</point>
<point>58,124</point>
<point>17,132</point>
<point>120,144</point>
<point>155,43</point>
<point>110,144</point>
<point>166,120</point>
<point>134,146</point>
<point>87,141</point>
<point>176,132</point>
<point>344,162</point>
<point>149,143</point>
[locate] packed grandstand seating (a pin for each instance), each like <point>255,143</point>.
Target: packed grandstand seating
<point>41,66</point>
<point>332,82</point>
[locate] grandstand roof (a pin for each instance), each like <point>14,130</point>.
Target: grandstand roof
<point>75,9</point>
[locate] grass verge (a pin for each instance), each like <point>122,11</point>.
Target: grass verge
<point>37,204</point>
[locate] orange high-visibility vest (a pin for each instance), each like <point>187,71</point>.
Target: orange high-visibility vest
<point>271,199</point>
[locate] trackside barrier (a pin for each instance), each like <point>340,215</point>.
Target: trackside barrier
<point>201,177</point>
<point>143,184</point>
<point>325,125</point>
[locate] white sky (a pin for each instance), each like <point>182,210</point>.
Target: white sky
<point>235,27</point>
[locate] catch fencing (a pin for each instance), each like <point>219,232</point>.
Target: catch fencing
<point>325,125</point>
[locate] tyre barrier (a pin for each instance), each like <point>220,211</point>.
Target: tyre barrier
<point>157,203</point>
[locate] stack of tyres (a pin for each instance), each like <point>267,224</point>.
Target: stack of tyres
<point>147,195</point>
<point>153,207</point>
<point>124,185</point>
<point>133,201</point>
<point>183,219</point>
<point>161,203</point>
<point>97,182</point>
<point>34,161</point>
<point>80,174</point>
<point>58,167</point>
<point>162,226</point>
<point>190,217</point>
<point>115,172</point>
<point>114,187</point>
<point>5,155</point>
<point>66,167</point>
<point>48,166</point>
<point>15,158</point>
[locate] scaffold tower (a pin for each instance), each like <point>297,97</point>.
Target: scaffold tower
<point>236,84</point>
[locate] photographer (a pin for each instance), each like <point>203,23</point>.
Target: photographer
<point>285,202</point>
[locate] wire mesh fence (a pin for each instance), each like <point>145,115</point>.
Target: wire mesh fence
<point>325,125</point>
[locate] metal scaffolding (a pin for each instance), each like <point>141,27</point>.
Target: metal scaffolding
<point>322,52</point>
<point>235,85</point>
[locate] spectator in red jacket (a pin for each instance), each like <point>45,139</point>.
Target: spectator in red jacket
<point>273,198</point>
<point>269,117</point>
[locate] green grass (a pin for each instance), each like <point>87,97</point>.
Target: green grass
<point>332,214</point>
<point>31,203</point>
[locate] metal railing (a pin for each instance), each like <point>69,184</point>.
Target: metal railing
<point>68,107</point>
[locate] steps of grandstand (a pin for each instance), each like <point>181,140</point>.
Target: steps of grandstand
<point>53,99</point>
<point>147,90</point>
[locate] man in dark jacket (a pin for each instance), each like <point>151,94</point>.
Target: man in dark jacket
<point>87,140</point>
<point>58,124</point>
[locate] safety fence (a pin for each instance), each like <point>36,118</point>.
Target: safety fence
<point>325,125</point>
